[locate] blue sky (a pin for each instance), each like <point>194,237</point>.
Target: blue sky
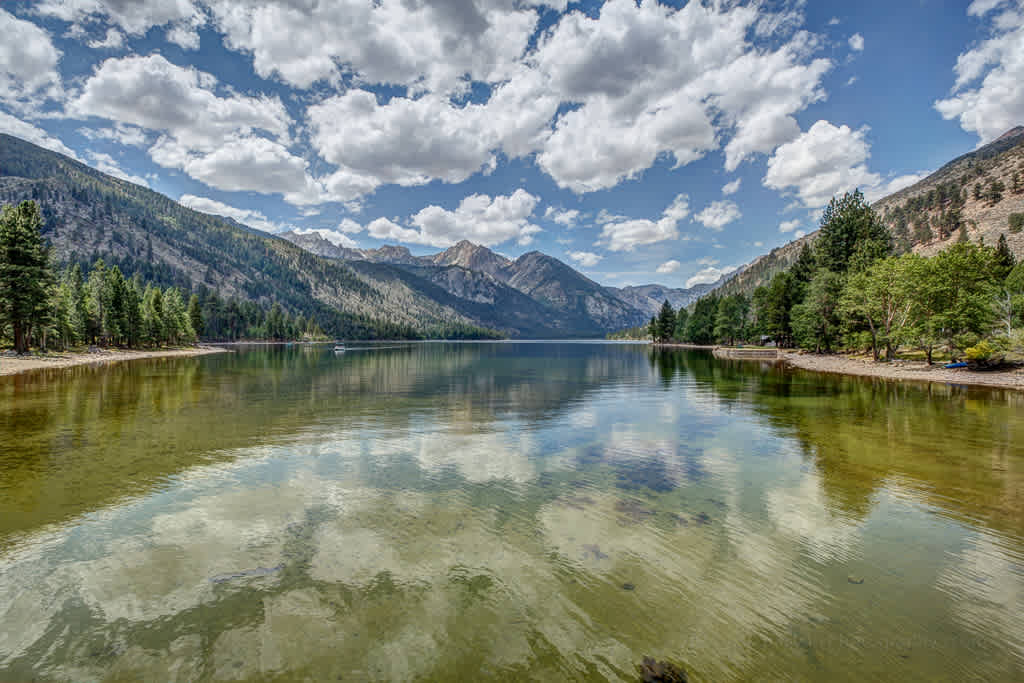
<point>638,142</point>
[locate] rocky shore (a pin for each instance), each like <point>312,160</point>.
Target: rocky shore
<point>905,370</point>
<point>12,365</point>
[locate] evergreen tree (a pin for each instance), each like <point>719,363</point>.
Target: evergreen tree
<point>816,321</point>
<point>1004,259</point>
<point>666,322</point>
<point>700,327</point>
<point>652,328</point>
<point>774,306</point>
<point>679,333</point>
<point>79,314</point>
<point>25,275</point>
<point>849,228</point>
<point>153,315</point>
<point>195,315</point>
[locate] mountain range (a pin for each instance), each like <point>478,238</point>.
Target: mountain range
<point>367,292</point>
<point>89,215</point>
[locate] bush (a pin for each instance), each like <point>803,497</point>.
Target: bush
<point>1016,221</point>
<point>980,351</point>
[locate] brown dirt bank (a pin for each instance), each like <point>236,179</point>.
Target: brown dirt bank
<point>905,370</point>
<point>14,365</point>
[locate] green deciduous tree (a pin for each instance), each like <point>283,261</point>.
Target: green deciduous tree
<point>816,322</point>
<point>731,318</point>
<point>965,286</point>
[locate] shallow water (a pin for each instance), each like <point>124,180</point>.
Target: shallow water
<point>505,511</point>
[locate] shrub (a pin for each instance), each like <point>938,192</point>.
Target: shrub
<point>1016,221</point>
<point>980,351</point>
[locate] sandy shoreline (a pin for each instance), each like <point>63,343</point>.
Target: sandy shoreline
<point>12,366</point>
<point>905,370</point>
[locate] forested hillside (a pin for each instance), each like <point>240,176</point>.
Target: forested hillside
<point>89,215</point>
<point>978,197</point>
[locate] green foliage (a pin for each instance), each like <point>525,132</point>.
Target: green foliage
<point>1016,222</point>
<point>665,324</point>
<point>849,229</point>
<point>700,327</point>
<point>816,323</point>
<point>981,351</point>
<point>682,316</point>
<point>25,275</point>
<point>773,305</point>
<point>1003,258</point>
<point>731,318</point>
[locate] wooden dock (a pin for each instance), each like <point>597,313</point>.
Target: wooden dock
<point>746,353</point>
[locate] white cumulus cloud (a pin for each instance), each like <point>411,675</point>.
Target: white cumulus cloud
<point>856,42</point>
<point>28,63</point>
<point>708,275</point>
<point>669,266</point>
<point>719,214</point>
<point>250,217</point>
<point>480,219</point>
<point>789,226</point>
<point>731,187</point>
<point>107,164</point>
<point>566,217</point>
<point>34,134</point>
<point>824,161</point>
<point>988,95</point>
<point>625,234</point>
<point>587,259</point>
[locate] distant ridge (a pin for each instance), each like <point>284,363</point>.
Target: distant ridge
<point>916,222</point>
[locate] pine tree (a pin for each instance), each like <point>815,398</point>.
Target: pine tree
<point>850,228</point>
<point>195,315</point>
<point>1004,259</point>
<point>666,322</point>
<point>681,318</point>
<point>25,275</point>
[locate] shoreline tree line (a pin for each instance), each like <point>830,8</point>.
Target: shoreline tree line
<point>98,305</point>
<point>850,291</point>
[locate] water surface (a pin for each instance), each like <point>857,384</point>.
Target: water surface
<point>501,511</point>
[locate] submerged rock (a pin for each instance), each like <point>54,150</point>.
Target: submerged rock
<point>594,551</point>
<point>633,510</point>
<point>702,518</point>
<point>854,579</point>
<point>653,671</point>
<point>246,573</point>
<point>628,586</point>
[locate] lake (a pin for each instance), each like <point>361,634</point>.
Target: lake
<point>505,511</point>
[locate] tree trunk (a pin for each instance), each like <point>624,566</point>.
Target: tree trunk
<point>928,353</point>
<point>20,338</point>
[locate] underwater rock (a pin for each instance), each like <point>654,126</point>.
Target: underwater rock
<point>245,574</point>
<point>577,502</point>
<point>628,587</point>
<point>653,671</point>
<point>679,519</point>
<point>854,579</point>
<point>594,551</point>
<point>633,510</point>
<point>702,518</point>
